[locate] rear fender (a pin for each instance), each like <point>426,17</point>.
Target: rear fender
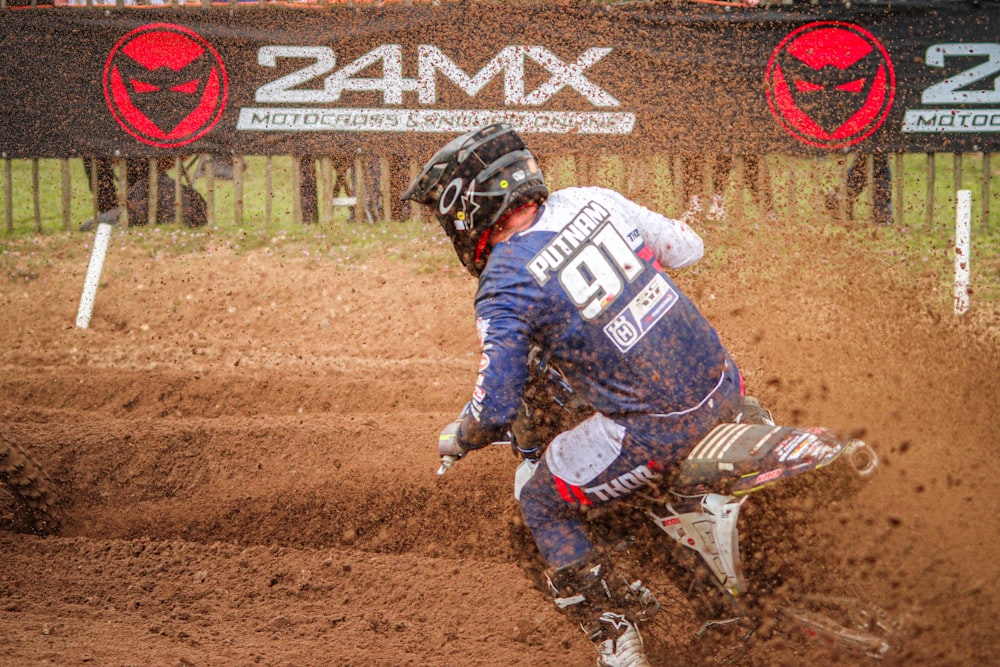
<point>740,458</point>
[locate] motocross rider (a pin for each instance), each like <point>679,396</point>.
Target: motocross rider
<point>577,273</point>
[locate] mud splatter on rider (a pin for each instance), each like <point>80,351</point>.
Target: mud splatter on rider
<point>577,275</point>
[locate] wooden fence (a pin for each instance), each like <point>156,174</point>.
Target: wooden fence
<point>48,195</point>
<point>43,195</point>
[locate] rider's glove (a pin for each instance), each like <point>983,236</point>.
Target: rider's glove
<point>450,447</point>
<point>449,444</point>
<point>532,454</point>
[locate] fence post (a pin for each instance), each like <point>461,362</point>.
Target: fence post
<point>963,224</point>
<point>208,164</point>
<point>67,194</point>
<point>153,192</point>
<point>929,193</point>
<point>93,277</point>
<point>178,191</point>
<point>385,181</point>
<point>841,201</point>
<point>93,189</point>
<point>957,170</point>
<point>792,187</point>
<point>630,180</point>
<point>360,190</point>
<point>237,190</point>
<point>8,188</point>
<point>297,190</point>
<point>268,191</point>
<point>739,179</point>
<point>897,209</point>
<point>326,190</point>
<point>677,183</point>
<point>986,177</point>
<point>122,167</point>
<point>817,197</point>
<point>415,213</point>
<point>36,195</point>
<point>870,181</point>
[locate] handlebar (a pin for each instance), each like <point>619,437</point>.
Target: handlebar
<point>446,463</point>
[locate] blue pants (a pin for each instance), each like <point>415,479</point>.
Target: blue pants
<point>604,459</point>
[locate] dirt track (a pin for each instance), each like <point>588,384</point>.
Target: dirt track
<point>244,447</point>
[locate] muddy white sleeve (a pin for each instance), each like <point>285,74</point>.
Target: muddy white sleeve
<point>672,241</point>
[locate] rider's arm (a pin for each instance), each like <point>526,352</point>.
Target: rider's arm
<point>504,307</point>
<point>673,242</point>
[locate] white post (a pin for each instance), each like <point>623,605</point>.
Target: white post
<point>963,224</point>
<point>93,275</point>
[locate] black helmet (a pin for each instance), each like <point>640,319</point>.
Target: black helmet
<point>475,181</point>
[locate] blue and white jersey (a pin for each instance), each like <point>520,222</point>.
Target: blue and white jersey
<point>583,284</point>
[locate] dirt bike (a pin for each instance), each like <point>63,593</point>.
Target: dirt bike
<point>698,508</point>
<point>701,509</point>
<point>27,495</point>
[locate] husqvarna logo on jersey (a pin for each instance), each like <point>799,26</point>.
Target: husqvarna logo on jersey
<point>830,84</point>
<point>165,85</point>
<point>323,80</point>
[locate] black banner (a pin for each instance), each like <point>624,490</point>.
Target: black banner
<point>400,80</point>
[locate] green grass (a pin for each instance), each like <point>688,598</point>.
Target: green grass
<point>922,236</point>
<point>798,184</point>
<point>25,252</point>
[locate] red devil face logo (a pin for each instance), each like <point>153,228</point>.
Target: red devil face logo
<point>165,85</point>
<point>830,84</point>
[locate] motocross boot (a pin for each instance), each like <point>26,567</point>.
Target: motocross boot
<point>754,413</point>
<point>620,644</point>
<point>602,604</point>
